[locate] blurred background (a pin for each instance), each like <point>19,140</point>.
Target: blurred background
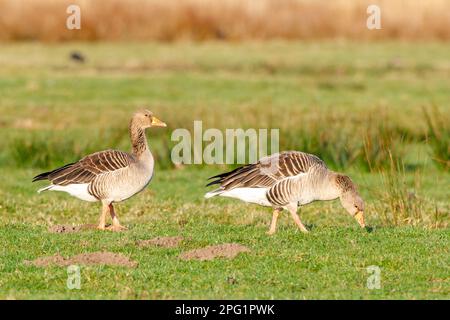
<point>228,20</point>
<point>373,103</point>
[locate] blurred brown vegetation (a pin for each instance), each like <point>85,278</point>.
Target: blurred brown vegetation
<point>169,20</point>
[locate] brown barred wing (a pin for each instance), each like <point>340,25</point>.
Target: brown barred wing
<point>88,168</point>
<point>268,171</point>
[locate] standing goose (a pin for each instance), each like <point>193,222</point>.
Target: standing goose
<point>109,176</point>
<point>287,180</point>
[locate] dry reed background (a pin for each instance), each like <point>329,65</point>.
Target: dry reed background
<point>164,20</point>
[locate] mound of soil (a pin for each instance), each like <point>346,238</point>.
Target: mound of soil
<point>94,258</point>
<point>61,228</point>
<point>166,242</point>
<point>226,250</point>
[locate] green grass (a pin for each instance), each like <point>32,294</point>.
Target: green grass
<point>353,104</point>
<point>329,262</point>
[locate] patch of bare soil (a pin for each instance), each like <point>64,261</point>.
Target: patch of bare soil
<point>94,258</point>
<point>61,228</point>
<point>166,242</point>
<point>226,250</point>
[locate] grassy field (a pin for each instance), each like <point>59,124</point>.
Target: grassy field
<point>361,107</point>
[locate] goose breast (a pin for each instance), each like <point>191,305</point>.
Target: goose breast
<point>124,183</point>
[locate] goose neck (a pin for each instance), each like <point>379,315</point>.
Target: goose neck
<point>330,189</point>
<point>138,140</point>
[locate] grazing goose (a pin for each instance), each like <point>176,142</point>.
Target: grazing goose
<point>109,176</point>
<point>287,180</point>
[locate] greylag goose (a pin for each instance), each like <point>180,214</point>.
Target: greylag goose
<point>288,180</point>
<point>109,176</point>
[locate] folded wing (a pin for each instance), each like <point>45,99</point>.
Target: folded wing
<point>267,171</point>
<point>88,168</point>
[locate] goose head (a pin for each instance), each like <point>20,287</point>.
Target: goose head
<point>351,199</point>
<point>145,119</point>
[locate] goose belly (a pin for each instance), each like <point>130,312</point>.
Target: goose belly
<point>122,189</point>
<point>251,195</point>
<point>306,197</point>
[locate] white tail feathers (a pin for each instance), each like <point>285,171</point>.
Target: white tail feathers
<point>78,190</point>
<point>45,188</point>
<point>213,194</point>
<point>251,195</point>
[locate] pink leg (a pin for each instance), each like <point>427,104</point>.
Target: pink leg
<point>293,210</point>
<point>115,221</point>
<point>273,225</point>
<point>102,220</point>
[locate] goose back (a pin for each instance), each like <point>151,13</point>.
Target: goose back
<point>268,171</point>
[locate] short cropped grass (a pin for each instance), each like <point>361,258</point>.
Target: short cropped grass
<point>330,262</point>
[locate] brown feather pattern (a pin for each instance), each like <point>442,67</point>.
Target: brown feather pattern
<point>261,174</point>
<point>89,168</point>
<point>345,183</point>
